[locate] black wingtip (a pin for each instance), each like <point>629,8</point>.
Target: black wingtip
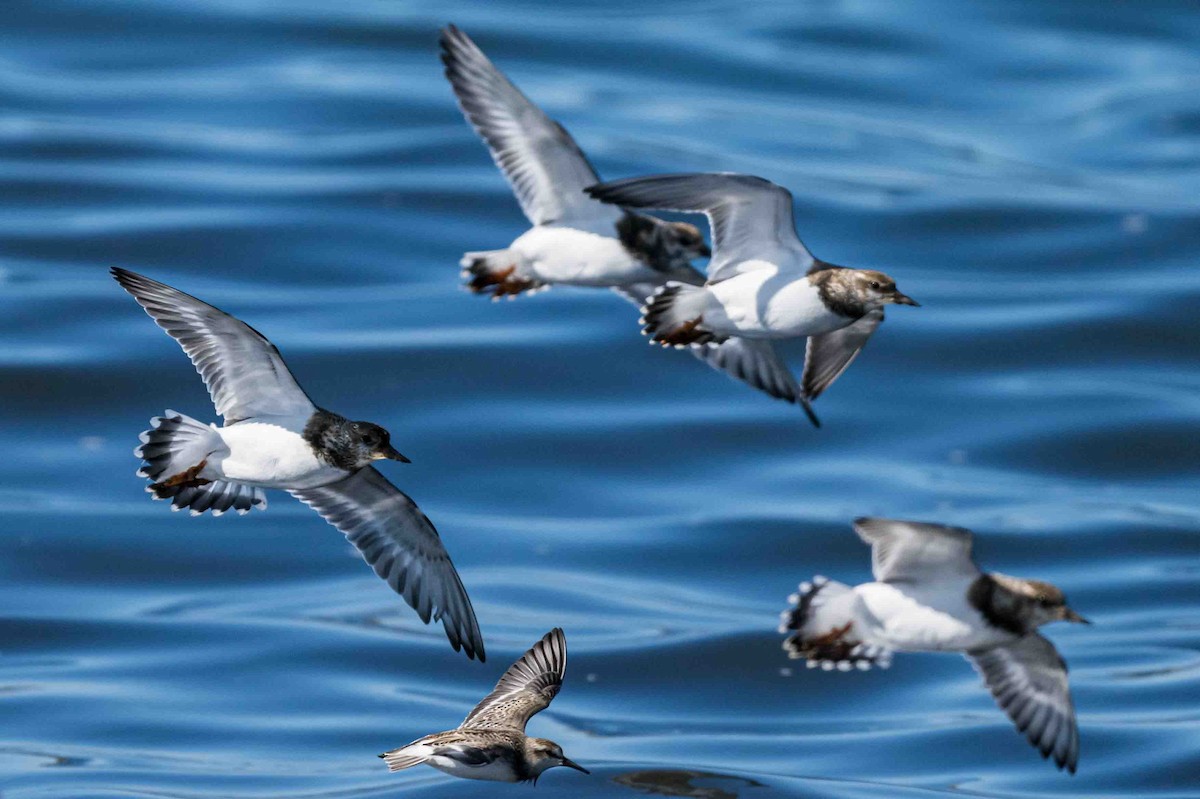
<point>470,645</point>
<point>451,40</point>
<point>810,413</point>
<point>601,191</point>
<point>474,651</point>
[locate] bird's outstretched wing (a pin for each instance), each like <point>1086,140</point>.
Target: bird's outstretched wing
<point>751,218</point>
<point>1029,681</point>
<point>543,164</point>
<point>916,552</point>
<point>754,362</point>
<point>245,374</point>
<point>830,354</point>
<point>402,547</point>
<point>525,689</point>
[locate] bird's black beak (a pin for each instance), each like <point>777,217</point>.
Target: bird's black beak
<point>904,299</point>
<point>391,454</point>
<point>1073,617</point>
<point>572,764</point>
<point>705,251</point>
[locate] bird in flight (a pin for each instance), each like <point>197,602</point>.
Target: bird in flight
<point>763,283</point>
<point>929,596</point>
<point>274,436</point>
<point>575,240</point>
<point>491,743</point>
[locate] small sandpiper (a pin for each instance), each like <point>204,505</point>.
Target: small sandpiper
<point>491,743</point>
<point>929,596</point>
<point>575,240</point>
<point>763,283</point>
<point>275,437</point>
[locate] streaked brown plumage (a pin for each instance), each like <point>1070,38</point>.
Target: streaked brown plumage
<point>491,743</point>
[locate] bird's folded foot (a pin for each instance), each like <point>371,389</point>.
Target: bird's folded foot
<point>188,478</point>
<point>838,649</point>
<point>497,282</point>
<point>685,334</point>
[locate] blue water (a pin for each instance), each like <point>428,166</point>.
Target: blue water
<point>1029,171</point>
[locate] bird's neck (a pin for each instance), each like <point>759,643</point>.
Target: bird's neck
<point>648,240</point>
<point>834,284</point>
<point>1000,605</point>
<point>329,436</point>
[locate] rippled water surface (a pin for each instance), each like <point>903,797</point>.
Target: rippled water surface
<point>1028,171</point>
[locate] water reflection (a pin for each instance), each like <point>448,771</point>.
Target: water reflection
<point>669,782</point>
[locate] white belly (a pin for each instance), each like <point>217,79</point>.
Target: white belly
<point>768,303</point>
<point>928,619</point>
<point>580,258</point>
<point>496,771</point>
<point>271,456</point>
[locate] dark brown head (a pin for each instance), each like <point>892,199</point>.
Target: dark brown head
<point>348,445</point>
<point>877,289</point>
<point>1038,602</point>
<point>661,245</point>
<point>375,443</point>
<point>687,239</point>
<point>542,754</point>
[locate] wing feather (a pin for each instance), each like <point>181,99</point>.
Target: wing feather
<point>751,218</point>
<point>754,362</point>
<point>916,552</point>
<point>403,547</point>
<point>526,688</point>
<point>543,164</point>
<point>830,354</point>
<point>1029,682</point>
<point>245,374</point>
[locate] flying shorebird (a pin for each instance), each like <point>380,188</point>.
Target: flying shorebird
<point>929,596</point>
<point>491,743</point>
<point>275,437</point>
<point>763,283</point>
<point>575,240</point>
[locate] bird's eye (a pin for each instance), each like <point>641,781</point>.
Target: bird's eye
<point>874,284</point>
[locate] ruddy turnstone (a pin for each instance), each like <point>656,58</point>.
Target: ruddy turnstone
<point>929,596</point>
<point>491,743</point>
<point>275,437</point>
<point>574,239</point>
<point>763,283</point>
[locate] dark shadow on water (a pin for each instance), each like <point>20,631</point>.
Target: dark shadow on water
<point>672,782</point>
